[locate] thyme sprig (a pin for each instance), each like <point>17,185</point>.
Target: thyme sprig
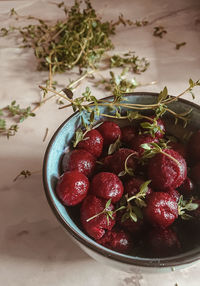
<point>23,173</point>
<point>81,38</point>
<point>131,211</point>
<point>127,170</point>
<point>151,149</point>
<point>137,65</point>
<point>184,206</point>
<point>159,31</point>
<point>17,114</point>
<point>89,103</point>
<point>106,211</point>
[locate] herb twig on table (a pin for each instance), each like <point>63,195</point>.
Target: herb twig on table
<point>159,31</point>
<point>137,65</point>
<point>16,114</point>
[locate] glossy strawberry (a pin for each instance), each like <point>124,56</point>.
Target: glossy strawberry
<point>110,132</point>
<point>158,127</point>
<point>194,146</point>
<point>72,188</point>
<point>195,173</point>
<point>93,143</point>
<point>79,160</point>
<point>161,210</point>
<point>164,172</point>
<point>97,226</point>
<point>173,193</point>
<point>108,186</point>
<point>128,134</point>
<point>163,242</point>
<point>116,163</point>
<point>139,140</point>
<point>117,240</point>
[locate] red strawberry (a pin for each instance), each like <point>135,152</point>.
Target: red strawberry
<point>97,226</point>
<point>158,125</point>
<point>110,132</point>
<point>163,242</point>
<point>194,146</point>
<point>132,187</point>
<point>117,240</point>
<point>131,226</point>
<point>178,147</point>
<point>187,187</point>
<point>108,186</point>
<point>173,193</point>
<point>161,210</point>
<point>93,143</point>
<point>142,139</point>
<point>164,172</point>
<point>79,160</point>
<point>117,161</point>
<point>195,173</point>
<point>128,134</point>
<point>72,188</point>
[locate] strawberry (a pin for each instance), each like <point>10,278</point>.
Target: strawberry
<point>155,128</point>
<point>72,188</point>
<point>108,186</point>
<point>187,187</point>
<point>117,240</point>
<point>161,210</point>
<point>142,139</point>
<point>96,227</point>
<point>79,160</point>
<point>116,163</point>
<point>164,172</point>
<point>132,187</point>
<point>173,193</point>
<point>194,146</point>
<point>110,132</point>
<point>129,225</point>
<point>163,242</point>
<point>128,134</point>
<point>195,173</point>
<point>92,142</point>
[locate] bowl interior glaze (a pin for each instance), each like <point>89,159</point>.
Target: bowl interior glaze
<point>61,141</point>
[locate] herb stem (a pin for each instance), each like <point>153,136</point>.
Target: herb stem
<point>170,157</point>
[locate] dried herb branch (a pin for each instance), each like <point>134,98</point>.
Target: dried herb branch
<point>136,64</point>
<point>16,114</point>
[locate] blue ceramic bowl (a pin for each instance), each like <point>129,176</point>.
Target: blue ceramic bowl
<point>51,171</point>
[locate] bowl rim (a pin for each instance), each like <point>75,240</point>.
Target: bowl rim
<point>189,256</point>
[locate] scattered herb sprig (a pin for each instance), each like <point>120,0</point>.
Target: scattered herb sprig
<point>137,65</point>
<point>17,114</point>
<point>159,31</point>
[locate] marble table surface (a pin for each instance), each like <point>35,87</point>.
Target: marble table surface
<point>34,249</point>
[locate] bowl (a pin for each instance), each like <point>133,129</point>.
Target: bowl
<point>68,217</point>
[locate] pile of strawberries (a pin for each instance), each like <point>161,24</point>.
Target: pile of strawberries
<point>129,199</point>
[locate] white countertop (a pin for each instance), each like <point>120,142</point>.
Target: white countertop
<point>34,249</point>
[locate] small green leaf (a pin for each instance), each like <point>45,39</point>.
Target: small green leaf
<point>133,216</point>
<point>114,147</point>
<point>146,146</point>
<point>108,203</point>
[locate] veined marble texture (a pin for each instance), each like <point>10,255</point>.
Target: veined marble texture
<point>34,249</point>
